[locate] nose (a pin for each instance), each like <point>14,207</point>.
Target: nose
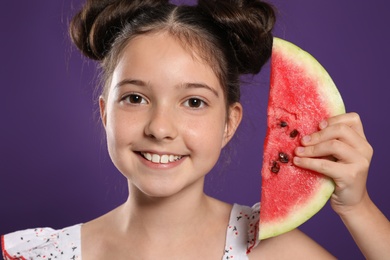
<point>161,125</point>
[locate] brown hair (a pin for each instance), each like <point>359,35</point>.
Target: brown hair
<point>233,36</point>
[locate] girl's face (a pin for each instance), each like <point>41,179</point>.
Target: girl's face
<point>165,116</point>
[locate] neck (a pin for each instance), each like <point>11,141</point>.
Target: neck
<point>174,215</point>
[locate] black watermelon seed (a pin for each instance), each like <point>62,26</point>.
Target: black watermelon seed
<point>283,157</point>
<point>294,133</point>
<point>283,124</point>
<point>275,167</point>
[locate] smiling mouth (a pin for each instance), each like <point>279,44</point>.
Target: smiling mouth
<point>165,158</point>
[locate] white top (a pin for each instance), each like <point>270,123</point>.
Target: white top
<point>50,244</point>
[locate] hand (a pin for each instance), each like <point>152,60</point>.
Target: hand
<point>340,151</point>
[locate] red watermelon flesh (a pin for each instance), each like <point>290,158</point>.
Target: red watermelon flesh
<point>302,94</point>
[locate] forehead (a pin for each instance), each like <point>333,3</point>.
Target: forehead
<point>161,54</point>
<point>199,46</point>
<point>156,39</point>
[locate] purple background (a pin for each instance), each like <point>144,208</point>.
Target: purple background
<point>54,168</point>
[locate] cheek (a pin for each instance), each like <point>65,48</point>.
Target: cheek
<point>118,129</point>
<point>113,136</point>
<point>205,134</point>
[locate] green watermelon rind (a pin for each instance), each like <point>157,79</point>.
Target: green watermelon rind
<point>301,214</point>
<point>335,106</point>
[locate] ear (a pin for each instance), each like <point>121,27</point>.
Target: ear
<point>233,121</point>
<point>102,107</point>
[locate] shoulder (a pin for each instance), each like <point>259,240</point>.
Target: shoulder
<point>42,243</point>
<point>291,245</point>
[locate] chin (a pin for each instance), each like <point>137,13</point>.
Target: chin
<point>165,191</point>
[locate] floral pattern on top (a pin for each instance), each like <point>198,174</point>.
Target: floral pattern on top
<point>242,232</point>
<point>50,244</point>
<point>42,243</point>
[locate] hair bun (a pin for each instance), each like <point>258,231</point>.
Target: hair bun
<point>248,24</point>
<point>94,27</point>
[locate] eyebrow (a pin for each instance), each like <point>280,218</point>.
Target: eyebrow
<point>184,85</point>
<point>131,82</point>
<point>201,85</point>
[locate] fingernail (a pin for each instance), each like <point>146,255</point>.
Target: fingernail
<point>306,139</point>
<point>300,149</point>
<point>323,124</point>
<point>296,160</point>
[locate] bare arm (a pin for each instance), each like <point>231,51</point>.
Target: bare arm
<point>370,229</point>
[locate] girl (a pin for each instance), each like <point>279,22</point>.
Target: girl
<point>169,104</point>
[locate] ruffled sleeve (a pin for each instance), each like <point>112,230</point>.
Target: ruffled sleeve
<point>242,232</point>
<point>253,229</point>
<point>42,243</point>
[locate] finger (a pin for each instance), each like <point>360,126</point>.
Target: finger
<point>342,173</point>
<point>351,119</point>
<point>327,167</point>
<point>332,149</point>
<point>343,133</point>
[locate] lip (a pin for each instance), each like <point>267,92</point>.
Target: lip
<point>162,166</point>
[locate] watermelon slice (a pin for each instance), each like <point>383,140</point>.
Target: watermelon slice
<point>302,94</point>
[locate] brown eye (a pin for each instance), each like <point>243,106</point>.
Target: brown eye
<point>134,99</point>
<point>195,103</point>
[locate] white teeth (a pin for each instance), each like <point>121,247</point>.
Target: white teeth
<point>148,156</point>
<point>155,158</point>
<point>164,159</point>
